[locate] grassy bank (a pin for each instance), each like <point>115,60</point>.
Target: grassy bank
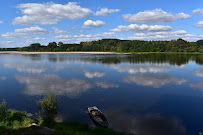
<point>20,123</point>
<point>14,122</point>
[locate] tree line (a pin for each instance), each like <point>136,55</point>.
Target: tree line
<point>117,45</point>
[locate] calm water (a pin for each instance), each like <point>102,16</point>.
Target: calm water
<point>150,94</point>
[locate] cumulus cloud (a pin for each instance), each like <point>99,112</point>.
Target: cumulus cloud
<point>93,74</point>
<point>182,16</point>
<point>59,31</point>
<point>166,36</point>
<point>90,23</point>
<point>153,16</point>
<point>196,11</point>
<point>106,11</point>
<point>141,68</point>
<point>153,80</point>
<point>141,28</point>
<point>106,85</point>
<point>49,13</point>
<point>5,42</point>
<point>199,24</point>
<point>39,85</point>
<point>22,33</point>
<point>85,37</point>
<point>198,72</point>
<point>1,22</point>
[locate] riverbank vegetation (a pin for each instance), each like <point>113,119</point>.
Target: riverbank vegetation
<point>21,123</point>
<point>117,45</point>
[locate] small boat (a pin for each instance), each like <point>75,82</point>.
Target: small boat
<point>97,117</point>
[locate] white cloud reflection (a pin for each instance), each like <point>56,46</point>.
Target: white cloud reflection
<point>198,72</point>
<point>106,85</point>
<point>3,78</point>
<point>141,68</point>
<point>93,74</point>
<point>197,85</point>
<point>144,124</point>
<point>39,85</point>
<point>153,80</point>
<point>26,68</point>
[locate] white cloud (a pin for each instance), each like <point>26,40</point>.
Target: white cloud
<point>90,23</point>
<point>49,13</point>
<point>85,37</point>
<point>165,36</point>
<point>153,80</point>
<point>199,24</point>
<point>106,11</point>
<point>196,11</point>
<point>5,42</point>
<point>97,36</point>
<point>182,16</point>
<point>153,16</point>
<point>22,33</point>
<point>141,28</point>
<point>39,85</point>
<point>59,31</point>
<point>1,22</point>
<point>106,85</point>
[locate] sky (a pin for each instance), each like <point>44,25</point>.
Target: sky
<point>23,22</point>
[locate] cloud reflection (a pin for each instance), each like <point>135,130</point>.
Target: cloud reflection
<point>93,74</point>
<point>26,68</point>
<point>141,68</point>
<point>38,85</point>
<point>144,124</point>
<point>198,72</point>
<point>153,80</point>
<point>197,85</point>
<point>106,85</point>
<point>3,78</point>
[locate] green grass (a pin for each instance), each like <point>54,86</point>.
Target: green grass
<point>15,120</point>
<point>76,128</point>
<point>18,123</point>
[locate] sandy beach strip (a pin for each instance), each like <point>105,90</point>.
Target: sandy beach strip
<point>19,52</point>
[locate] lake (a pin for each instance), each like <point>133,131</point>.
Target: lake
<point>149,94</point>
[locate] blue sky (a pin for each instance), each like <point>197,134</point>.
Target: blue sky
<point>23,22</point>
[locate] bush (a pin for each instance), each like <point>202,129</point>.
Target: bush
<point>49,106</point>
<point>3,110</point>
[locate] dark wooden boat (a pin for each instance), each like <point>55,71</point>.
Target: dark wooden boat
<point>97,117</point>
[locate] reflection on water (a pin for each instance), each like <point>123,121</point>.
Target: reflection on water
<point>92,74</point>
<point>139,93</point>
<point>154,80</point>
<point>39,85</point>
<point>144,124</point>
<point>198,72</point>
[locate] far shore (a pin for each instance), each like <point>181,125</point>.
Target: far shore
<point>19,52</point>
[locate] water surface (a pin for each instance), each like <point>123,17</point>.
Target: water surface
<point>149,94</point>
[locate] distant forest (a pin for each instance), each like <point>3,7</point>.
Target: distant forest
<point>116,45</point>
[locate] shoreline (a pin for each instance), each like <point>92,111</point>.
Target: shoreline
<point>18,52</point>
<point>21,52</point>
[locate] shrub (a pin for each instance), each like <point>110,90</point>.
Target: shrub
<point>49,106</point>
<point>3,110</point>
